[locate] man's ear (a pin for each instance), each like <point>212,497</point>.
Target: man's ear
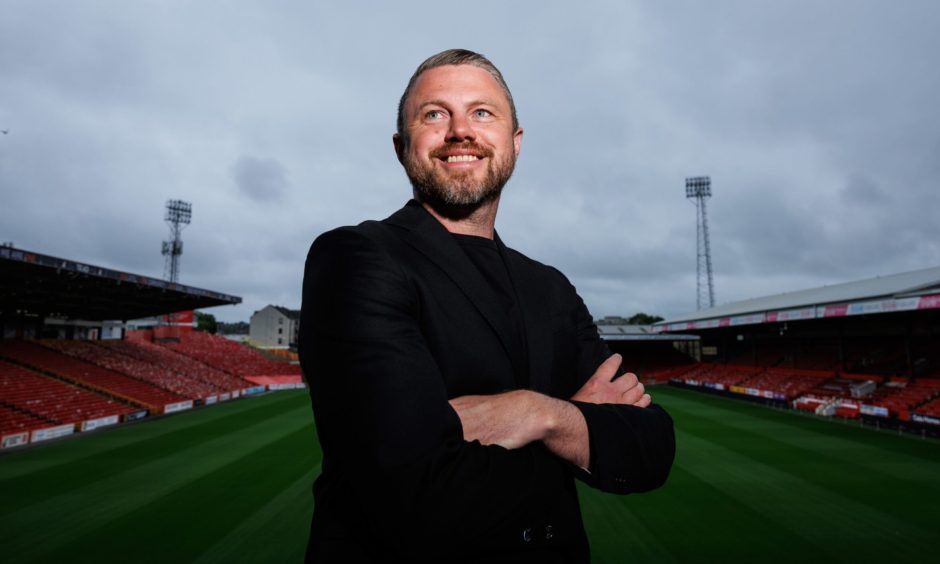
<point>399,144</point>
<point>517,140</point>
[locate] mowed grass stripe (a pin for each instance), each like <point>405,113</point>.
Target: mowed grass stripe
<point>150,464</point>
<point>808,429</point>
<point>46,521</point>
<point>690,521</point>
<point>831,522</point>
<point>61,519</point>
<point>749,484</point>
<point>282,521</point>
<point>613,526</point>
<point>831,454</point>
<point>910,459</point>
<point>218,502</point>
<point>126,442</point>
<point>816,465</point>
<point>805,489</point>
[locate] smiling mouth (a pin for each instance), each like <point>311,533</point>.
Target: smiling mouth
<point>460,158</point>
<point>455,153</point>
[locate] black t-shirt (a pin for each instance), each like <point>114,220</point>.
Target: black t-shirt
<point>485,255</point>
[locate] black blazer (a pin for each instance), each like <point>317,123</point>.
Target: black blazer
<point>395,321</point>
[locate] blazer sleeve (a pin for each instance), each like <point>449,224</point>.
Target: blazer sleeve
<point>632,448</point>
<point>384,420</point>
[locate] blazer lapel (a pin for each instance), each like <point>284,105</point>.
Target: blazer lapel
<point>535,312</point>
<point>431,239</point>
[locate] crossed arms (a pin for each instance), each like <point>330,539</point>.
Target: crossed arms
<point>402,458</point>
<point>515,419</point>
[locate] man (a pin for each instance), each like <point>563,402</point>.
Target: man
<point>458,386</point>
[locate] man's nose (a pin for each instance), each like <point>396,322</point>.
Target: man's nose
<point>460,129</point>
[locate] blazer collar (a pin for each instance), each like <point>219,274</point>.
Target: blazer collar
<point>427,235</point>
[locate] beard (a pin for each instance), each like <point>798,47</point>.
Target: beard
<point>457,194</point>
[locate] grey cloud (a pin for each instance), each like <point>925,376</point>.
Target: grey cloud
<point>859,190</point>
<point>264,180</point>
<point>815,120</point>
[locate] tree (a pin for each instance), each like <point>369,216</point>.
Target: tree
<point>643,319</point>
<point>206,322</point>
<point>236,328</point>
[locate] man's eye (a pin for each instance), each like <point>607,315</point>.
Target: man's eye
<point>482,113</point>
<point>434,114</point>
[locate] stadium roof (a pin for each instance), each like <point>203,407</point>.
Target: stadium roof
<point>43,285</point>
<point>625,332</point>
<point>919,289</point>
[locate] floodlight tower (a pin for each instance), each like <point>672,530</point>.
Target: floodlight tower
<point>699,188</point>
<point>178,215</point>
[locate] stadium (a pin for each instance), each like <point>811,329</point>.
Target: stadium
<point>866,350</point>
<point>807,416</point>
<point>805,427</point>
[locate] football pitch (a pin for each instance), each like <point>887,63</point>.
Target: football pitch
<point>230,483</point>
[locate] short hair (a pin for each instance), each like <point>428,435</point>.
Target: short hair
<point>454,57</point>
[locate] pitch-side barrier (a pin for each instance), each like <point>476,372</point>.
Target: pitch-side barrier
<point>20,438</point>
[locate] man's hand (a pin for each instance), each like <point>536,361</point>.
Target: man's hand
<point>602,388</point>
<point>515,419</point>
<point>511,419</point>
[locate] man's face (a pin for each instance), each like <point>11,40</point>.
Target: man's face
<point>461,146</point>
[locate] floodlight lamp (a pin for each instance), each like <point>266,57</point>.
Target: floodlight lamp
<point>698,187</point>
<point>178,211</point>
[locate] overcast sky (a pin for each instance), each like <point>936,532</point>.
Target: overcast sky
<point>818,122</point>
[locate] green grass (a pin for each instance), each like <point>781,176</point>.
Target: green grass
<point>752,483</point>
<point>231,484</point>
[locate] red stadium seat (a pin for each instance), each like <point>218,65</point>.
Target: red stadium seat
<point>229,356</point>
<point>32,401</point>
<point>87,374</point>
